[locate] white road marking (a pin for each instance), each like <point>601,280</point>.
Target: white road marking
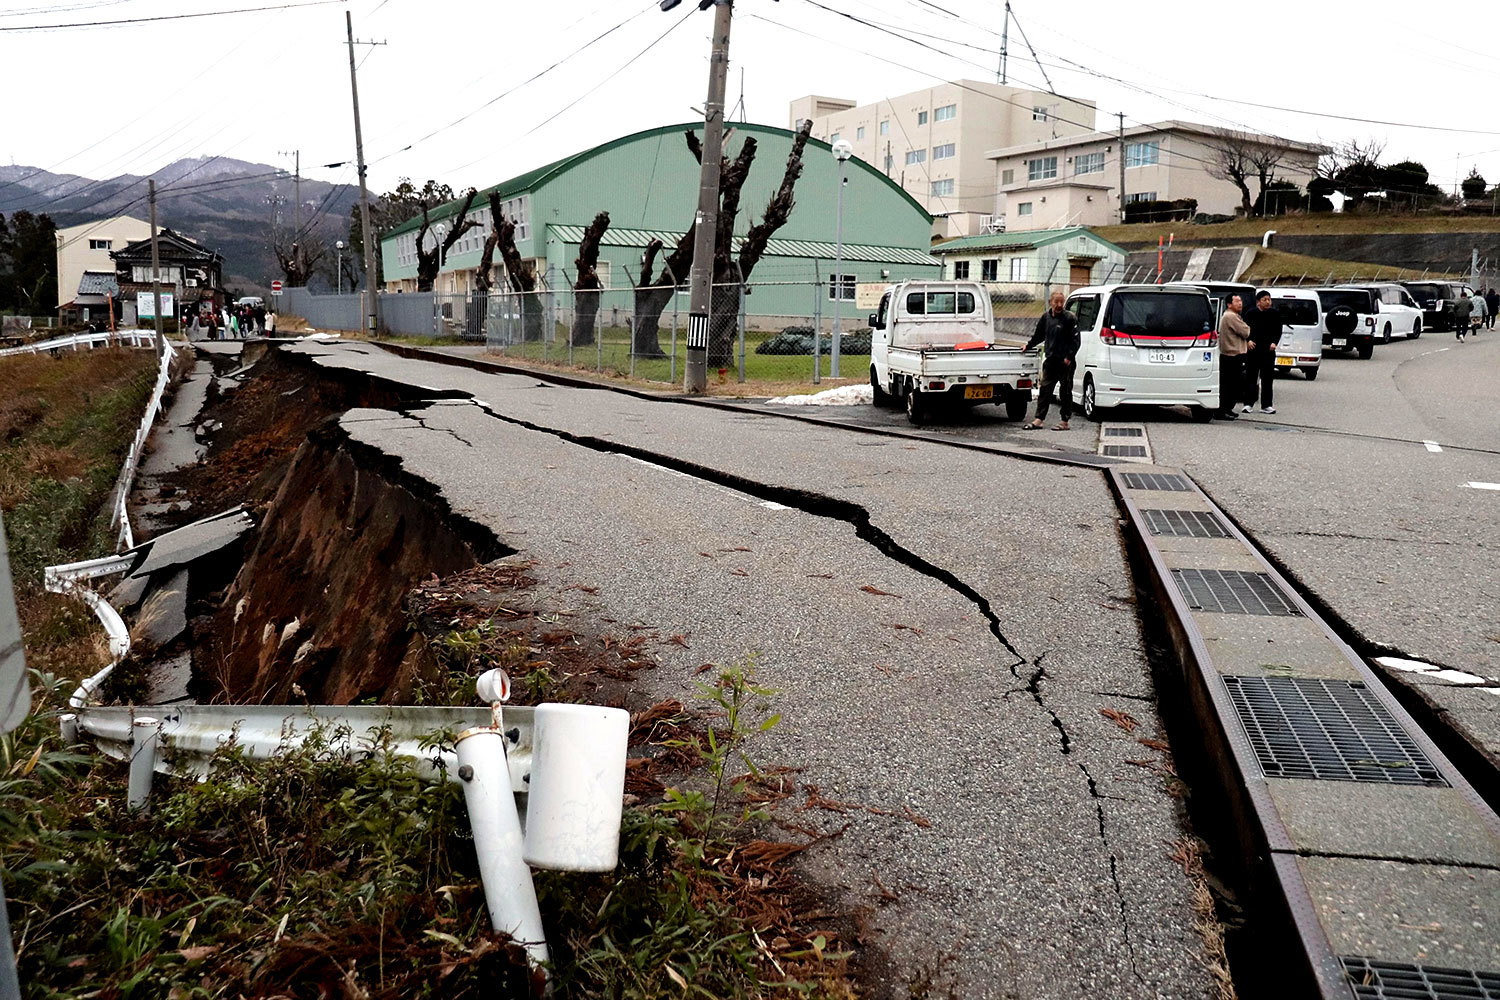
<point>1426,669</point>
<point>1483,486</point>
<point>1433,446</point>
<point>747,498</point>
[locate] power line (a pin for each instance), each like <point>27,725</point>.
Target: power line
<point>164,17</point>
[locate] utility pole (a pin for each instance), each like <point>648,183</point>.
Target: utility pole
<point>372,298</point>
<point>1121,115</point>
<point>700,301</point>
<point>296,156</point>
<point>161,344</point>
<point>1005,43</point>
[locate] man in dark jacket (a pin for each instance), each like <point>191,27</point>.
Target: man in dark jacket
<point>1265,335</point>
<point>1057,332</point>
<point>1492,301</point>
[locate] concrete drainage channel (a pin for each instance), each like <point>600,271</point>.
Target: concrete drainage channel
<point>1352,840</point>
<point>1383,858</point>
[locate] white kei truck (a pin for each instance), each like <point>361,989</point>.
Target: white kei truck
<point>933,344</point>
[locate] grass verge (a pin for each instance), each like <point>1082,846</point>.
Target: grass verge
<point>65,425</point>
<point>1291,268</point>
<point>1321,223</point>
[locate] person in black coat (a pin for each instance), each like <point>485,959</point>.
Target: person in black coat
<point>1265,336</point>
<point>1492,301</point>
<point>1057,331</point>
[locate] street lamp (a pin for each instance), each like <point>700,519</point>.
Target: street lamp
<point>842,150</point>
<point>339,246</point>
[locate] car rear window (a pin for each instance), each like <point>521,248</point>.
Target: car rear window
<point>940,303</point>
<point>1423,291</point>
<point>1298,312</point>
<point>1354,298</point>
<point>1138,313</point>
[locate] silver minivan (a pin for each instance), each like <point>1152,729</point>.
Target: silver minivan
<point>1301,344</point>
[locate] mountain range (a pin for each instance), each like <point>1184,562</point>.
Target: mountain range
<point>229,205</point>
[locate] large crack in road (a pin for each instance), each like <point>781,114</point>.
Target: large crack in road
<point>858,517</point>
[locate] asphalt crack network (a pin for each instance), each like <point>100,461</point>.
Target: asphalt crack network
<point>858,517</point>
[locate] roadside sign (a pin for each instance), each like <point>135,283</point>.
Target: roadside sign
<point>275,288</point>
<point>145,307</point>
<point>867,295</point>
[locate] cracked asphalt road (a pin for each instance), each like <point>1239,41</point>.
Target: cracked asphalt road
<point>1028,855</point>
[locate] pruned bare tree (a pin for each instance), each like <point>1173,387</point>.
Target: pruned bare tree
<point>430,262</point>
<point>479,303</point>
<point>653,291</point>
<point>300,257</point>
<point>1230,160</point>
<point>586,286</point>
<point>520,274</point>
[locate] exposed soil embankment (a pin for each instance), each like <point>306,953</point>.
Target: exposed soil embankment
<point>316,612</point>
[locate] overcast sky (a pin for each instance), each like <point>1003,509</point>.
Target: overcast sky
<point>252,85</point>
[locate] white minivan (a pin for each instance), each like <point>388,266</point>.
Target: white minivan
<point>1147,345</point>
<point>1301,344</point>
<point>1400,315</point>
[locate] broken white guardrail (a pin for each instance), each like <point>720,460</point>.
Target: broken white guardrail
<point>124,338</point>
<point>121,517</point>
<point>568,760</point>
<point>68,578</point>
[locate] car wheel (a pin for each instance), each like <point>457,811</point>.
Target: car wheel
<point>1091,400</point>
<point>881,398</point>
<point>1311,373</point>
<point>1015,404</point>
<point>1416,328</point>
<point>916,406</point>
<point>1386,334</point>
<point>1366,348</point>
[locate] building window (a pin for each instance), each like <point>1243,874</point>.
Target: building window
<point>1088,163</point>
<point>101,244</point>
<point>942,188</point>
<point>1018,269</point>
<point>1038,114</point>
<point>890,162</point>
<point>921,118</point>
<point>885,127</point>
<point>1142,154</point>
<point>1042,168</point>
<point>1024,208</point>
<point>946,151</point>
<point>915,156</point>
<point>859,133</point>
<point>518,210</point>
<point>1133,197</point>
<point>946,113</point>
<point>989,270</point>
<point>960,270</point>
<point>1007,177</point>
<point>841,286</point>
<point>833,138</point>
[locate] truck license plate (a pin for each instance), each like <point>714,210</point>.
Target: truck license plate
<point>1340,342</point>
<point>1162,357</point>
<point>979,392</point>
<point>1286,362</point>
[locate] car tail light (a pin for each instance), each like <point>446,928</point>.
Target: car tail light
<point>1109,336</point>
<point>1023,383</point>
<point>935,386</point>
<point>1211,338</point>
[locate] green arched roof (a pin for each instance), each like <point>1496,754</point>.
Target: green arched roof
<point>538,176</point>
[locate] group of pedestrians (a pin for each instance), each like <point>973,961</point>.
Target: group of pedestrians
<point>1247,355</point>
<point>232,324</point>
<point>1473,315</point>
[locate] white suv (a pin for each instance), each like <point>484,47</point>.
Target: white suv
<point>1145,344</point>
<point>1400,315</point>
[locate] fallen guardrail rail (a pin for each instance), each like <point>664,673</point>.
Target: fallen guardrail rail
<point>121,516</point>
<point>130,338</point>
<point>543,786</point>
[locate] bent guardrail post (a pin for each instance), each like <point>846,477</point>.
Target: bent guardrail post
<point>145,734</point>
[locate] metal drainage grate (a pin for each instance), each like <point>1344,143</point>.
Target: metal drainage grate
<point>1398,981</point>
<point>1232,592</point>
<point>1155,481</point>
<point>1309,727</point>
<point>1123,432</point>
<point>1185,523</point>
<point>1126,450</point>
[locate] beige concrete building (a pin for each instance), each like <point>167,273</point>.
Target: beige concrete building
<point>1074,180</point>
<point>936,142</point>
<point>85,248</point>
